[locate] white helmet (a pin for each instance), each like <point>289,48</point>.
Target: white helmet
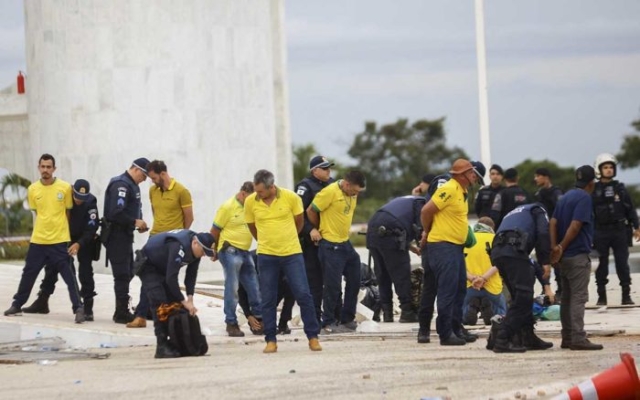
<point>603,159</point>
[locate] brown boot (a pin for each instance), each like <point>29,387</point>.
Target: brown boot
<point>314,344</point>
<point>271,347</point>
<point>234,330</point>
<point>138,322</point>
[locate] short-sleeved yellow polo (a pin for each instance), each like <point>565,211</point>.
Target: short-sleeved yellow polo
<point>168,205</point>
<point>275,224</point>
<point>450,223</point>
<point>478,262</point>
<point>336,212</point>
<point>50,202</point>
<point>229,220</point>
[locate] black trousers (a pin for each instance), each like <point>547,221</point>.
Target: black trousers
<point>85,274</point>
<point>519,276</point>
<point>393,266</point>
<point>616,239</point>
<point>429,292</point>
<point>157,293</point>
<point>120,255</point>
<point>314,275</point>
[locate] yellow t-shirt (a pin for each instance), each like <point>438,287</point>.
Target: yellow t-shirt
<point>277,233</point>
<point>50,202</point>
<point>230,220</point>
<point>167,206</point>
<point>336,212</point>
<point>478,262</point>
<point>450,223</point>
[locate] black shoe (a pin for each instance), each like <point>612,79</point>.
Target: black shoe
<point>486,311</point>
<point>39,306</point>
<point>165,350</point>
<point>626,296</point>
<point>13,311</point>
<point>602,300</point>
<point>473,308</point>
<point>452,340</point>
<point>79,315</point>
<point>387,313</point>
<point>532,342</point>
<point>565,344</point>
<point>122,315</point>
<point>283,330</point>
<point>408,316</point>
<point>507,346</point>
<point>234,330</point>
<point>424,336</point>
<point>466,335</point>
<point>586,345</point>
<point>496,321</point>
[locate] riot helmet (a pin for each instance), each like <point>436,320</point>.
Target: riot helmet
<point>602,159</point>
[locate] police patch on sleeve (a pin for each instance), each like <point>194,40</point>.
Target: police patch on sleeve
<point>122,191</point>
<point>301,190</point>
<point>181,253</point>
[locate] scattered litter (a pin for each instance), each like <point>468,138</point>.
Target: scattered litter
<point>77,382</point>
<point>368,327</point>
<point>29,348</point>
<point>541,393</point>
<point>442,388</point>
<point>108,345</point>
<point>292,371</point>
<point>47,362</point>
<point>366,376</point>
<point>206,332</point>
<point>602,309</point>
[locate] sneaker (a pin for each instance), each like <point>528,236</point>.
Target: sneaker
<point>586,345</point>
<point>271,347</point>
<point>13,311</point>
<point>79,315</point>
<point>452,340</point>
<point>424,336</point>
<point>473,308</point>
<point>314,344</point>
<point>233,330</point>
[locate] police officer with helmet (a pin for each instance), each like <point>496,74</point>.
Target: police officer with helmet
<point>616,220</point>
<point>526,227</point>
<point>123,215</point>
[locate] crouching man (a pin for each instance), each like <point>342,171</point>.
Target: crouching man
<point>162,257</point>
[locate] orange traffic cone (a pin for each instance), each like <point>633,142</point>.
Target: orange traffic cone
<point>617,383</point>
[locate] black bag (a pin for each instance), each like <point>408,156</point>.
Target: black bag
<point>185,334</point>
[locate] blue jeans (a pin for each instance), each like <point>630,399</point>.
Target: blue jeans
<point>238,267</point>
<point>447,263</point>
<point>498,303</point>
<point>293,268</point>
<point>339,259</point>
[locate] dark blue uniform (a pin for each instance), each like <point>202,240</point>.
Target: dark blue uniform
<point>615,215</point>
<point>307,190</point>
<point>484,200</point>
<point>122,206</point>
<point>390,232</point>
<point>505,201</point>
<point>549,197</point>
<point>83,225</point>
<point>165,254</point>
<point>523,229</point>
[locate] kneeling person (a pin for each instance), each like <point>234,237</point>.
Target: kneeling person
<point>165,254</point>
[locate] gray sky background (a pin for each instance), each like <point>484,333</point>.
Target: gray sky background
<point>563,75</point>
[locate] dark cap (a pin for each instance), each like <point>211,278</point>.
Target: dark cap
<point>585,175</point>
<point>543,171</point>
<point>81,190</point>
<point>427,178</point>
<point>510,174</point>
<point>497,168</point>
<point>320,162</point>
<point>141,163</point>
<point>480,170</point>
<point>206,241</point>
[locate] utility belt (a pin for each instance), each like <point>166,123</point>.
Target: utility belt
<point>516,239</point>
<point>399,235</point>
<point>612,226</point>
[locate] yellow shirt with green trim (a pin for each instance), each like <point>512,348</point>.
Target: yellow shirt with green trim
<point>167,206</point>
<point>50,202</point>
<point>229,220</point>
<point>478,262</point>
<point>450,223</point>
<point>336,212</point>
<point>275,224</point>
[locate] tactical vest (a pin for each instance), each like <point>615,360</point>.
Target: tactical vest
<point>133,208</point>
<point>406,210</point>
<point>608,205</point>
<point>521,219</point>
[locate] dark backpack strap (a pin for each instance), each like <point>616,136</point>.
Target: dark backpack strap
<point>188,344</point>
<point>199,339</point>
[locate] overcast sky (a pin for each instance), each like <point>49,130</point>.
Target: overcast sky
<point>563,75</point>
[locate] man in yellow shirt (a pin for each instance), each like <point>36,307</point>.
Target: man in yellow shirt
<point>275,219</point>
<point>51,200</point>
<point>332,212</point>
<point>484,284</point>
<point>446,227</point>
<point>234,240</point>
<point>172,209</point>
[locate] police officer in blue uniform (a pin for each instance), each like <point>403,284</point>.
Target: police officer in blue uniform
<point>391,233</point>
<point>319,177</point>
<point>509,198</point>
<point>123,215</point>
<point>83,225</point>
<point>486,194</point>
<point>159,267</point>
<point>616,220</point>
<point>526,227</point>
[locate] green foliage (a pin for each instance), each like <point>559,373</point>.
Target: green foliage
<point>301,157</point>
<point>15,184</point>
<point>394,157</point>
<point>14,250</point>
<point>564,178</point>
<point>629,155</point>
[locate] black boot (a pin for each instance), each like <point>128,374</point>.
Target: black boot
<point>122,315</point>
<point>496,321</point>
<point>39,306</point>
<point>387,313</point>
<point>602,295</point>
<point>408,314</point>
<point>531,341</point>
<point>626,297</point>
<point>164,348</point>
<point>504,344</point>
<point>424,336</point>
<point>88,309</point>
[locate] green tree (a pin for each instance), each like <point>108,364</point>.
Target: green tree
<point>16,184</point>
<point>562,177</point>
<point>15,218</point>
<point>301,156</point>
<point>629,155</point>
<point>395,156</point>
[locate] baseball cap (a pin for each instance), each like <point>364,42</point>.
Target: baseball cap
<point>585,175</point>
<point>141,163</point>
<point>207,241</point>
<point>480,170</point>
<point>320,162</point>
<point>543,171</point>
<point>81,190</point>
<point>510,174</point>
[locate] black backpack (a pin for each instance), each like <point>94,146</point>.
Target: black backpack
<point>185,334</point>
